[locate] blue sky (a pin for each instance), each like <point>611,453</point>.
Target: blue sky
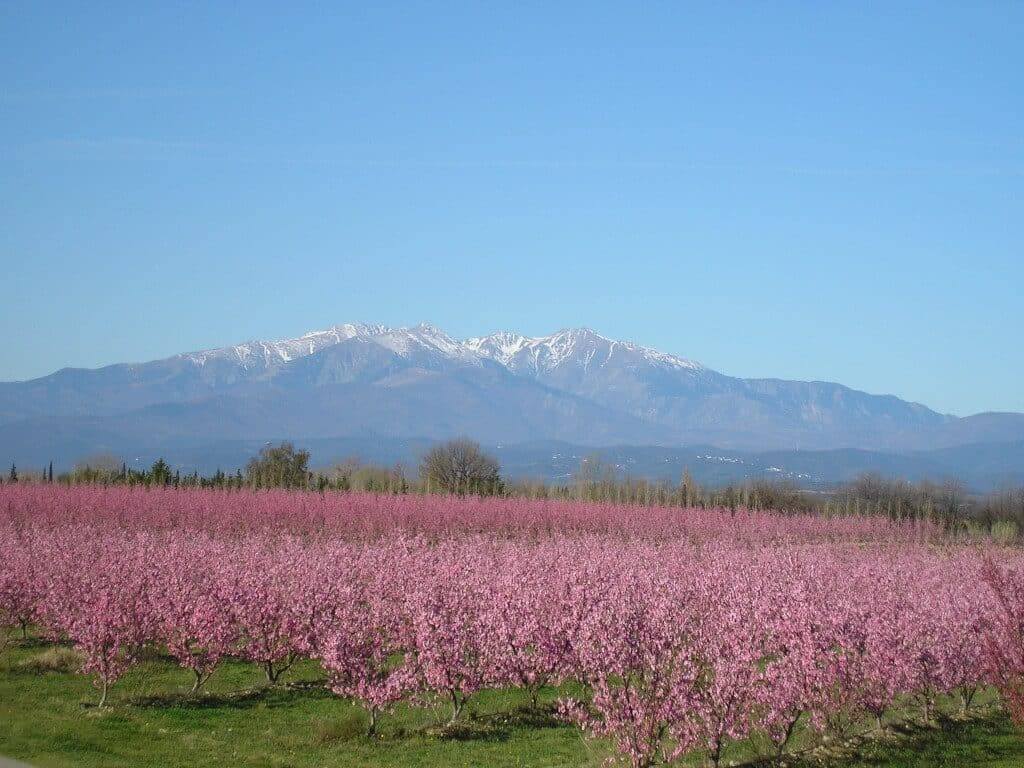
<point>807,190</point>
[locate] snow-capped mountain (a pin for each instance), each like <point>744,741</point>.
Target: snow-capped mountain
<point>578,347</point>
<point>358,379</point>
<point>267,354</point>
<point>405,342</point>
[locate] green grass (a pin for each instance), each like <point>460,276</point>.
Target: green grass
<point>48,718</point>
<point>989,742</point>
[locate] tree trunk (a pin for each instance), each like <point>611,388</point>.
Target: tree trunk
<point>788,735</point>
<point>458,702</point>
<point>716,753</point>
<point>966,697</point>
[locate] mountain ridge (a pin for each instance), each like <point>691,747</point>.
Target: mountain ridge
<point>574,385</point>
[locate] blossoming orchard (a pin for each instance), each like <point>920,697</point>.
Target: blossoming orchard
<point>666,631</point>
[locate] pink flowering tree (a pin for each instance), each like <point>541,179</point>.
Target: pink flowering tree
<point>960,645</point>
<point>1004,635</point>
<point>445,609</point>
<point>21,588</point>
<point>528,619</point>
<point>684,628</point>
<point>799,673</point>
<point>260,599</point>
<point>100,599</point>
<point>366,648</point>
<point>636,653</point>
<point>733,650</point>
<point>190,604</point>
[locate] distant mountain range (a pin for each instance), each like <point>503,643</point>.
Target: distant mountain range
<point>396,386</point>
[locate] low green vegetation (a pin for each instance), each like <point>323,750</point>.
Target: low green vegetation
<point>48,718</point>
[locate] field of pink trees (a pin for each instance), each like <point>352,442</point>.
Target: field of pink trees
<point>680,629</point>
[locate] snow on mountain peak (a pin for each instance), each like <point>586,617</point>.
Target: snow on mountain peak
<point>266,354</point>
<point>405,341</point>
<point>570,346</point>
<point>499,346</point>
<point>402,341</point>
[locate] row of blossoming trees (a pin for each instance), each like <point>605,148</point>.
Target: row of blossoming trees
<point>683,628</point>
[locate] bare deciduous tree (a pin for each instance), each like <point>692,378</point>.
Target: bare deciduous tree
<point>460,466</point>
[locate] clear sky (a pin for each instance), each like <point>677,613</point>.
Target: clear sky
<point>808,190</point>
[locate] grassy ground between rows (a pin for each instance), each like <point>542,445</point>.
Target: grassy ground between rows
<point>47,718</point>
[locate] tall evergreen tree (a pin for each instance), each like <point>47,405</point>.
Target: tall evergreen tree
<point>160,473</point>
